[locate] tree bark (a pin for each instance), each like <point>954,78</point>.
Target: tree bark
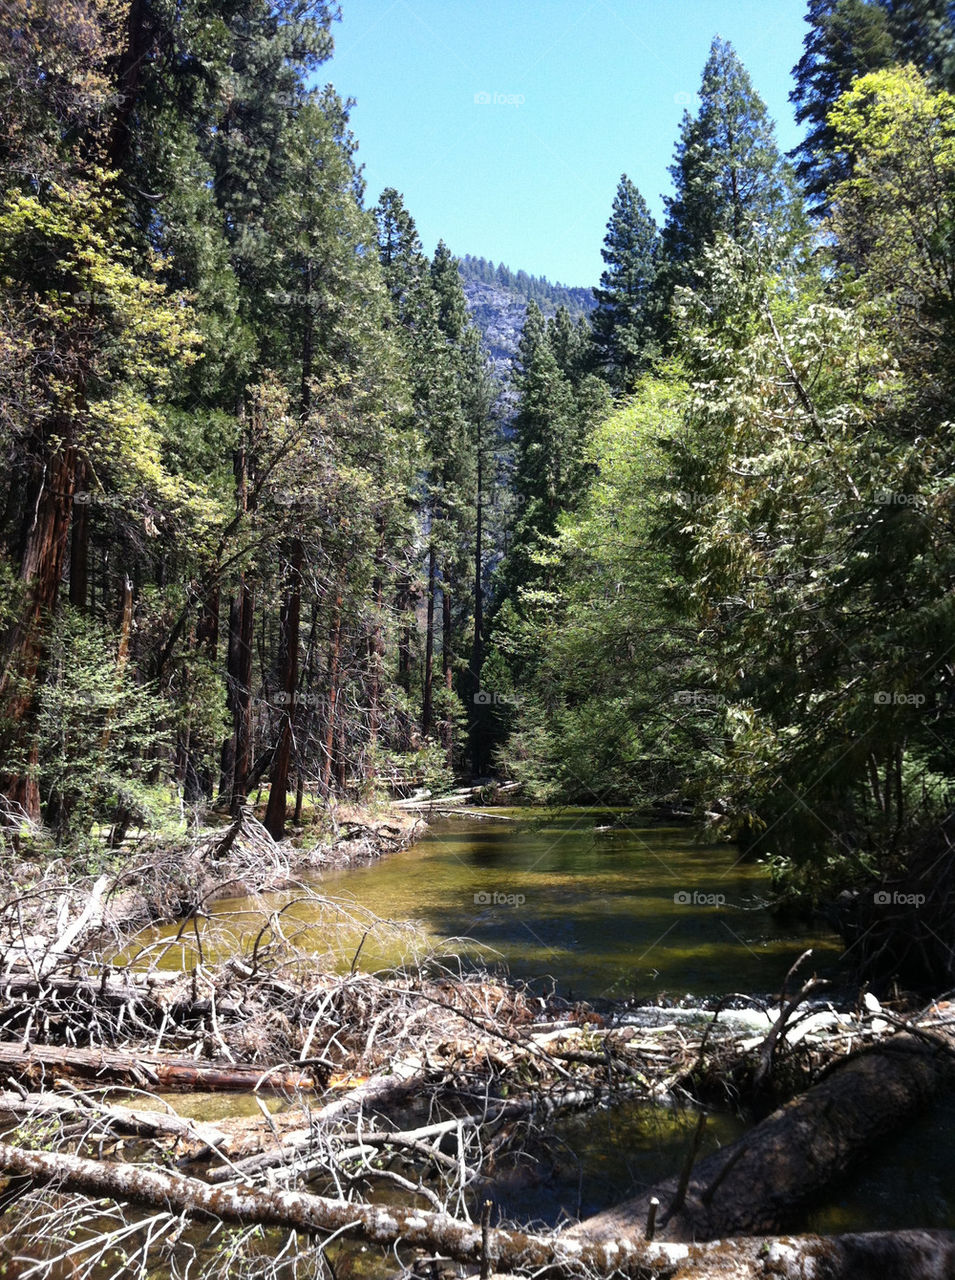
<point>916,1255</point>
<point>41,570</point>
<point>334,652</point>
<point>79,542</point>
<point>477,743</point>
<point>764,1183</point>
<point>427,703</point>
<point>376,657</point>
<point>237,751</point>
<point>142,1068</point>
<point>447,660</point>
<point>275,811</point>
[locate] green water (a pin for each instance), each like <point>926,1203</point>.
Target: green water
<point>633,912</point>
<point>603,914</point>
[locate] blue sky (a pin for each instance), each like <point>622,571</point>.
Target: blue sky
<point>506,124</point>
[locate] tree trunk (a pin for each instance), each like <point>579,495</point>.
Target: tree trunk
<point>41,570</point>
<point>427,704</point>
<point>477,741</point>
<point>334,650</point>
<point>916,1255</point>
<point>764,1183</point>
<point>279,776</point>
<point>79,541</point>
<point>341,761</point>
<point>243,696</point>
<point>447,661</point>
<point>404,610</point>
<point>237,752</point>
<point>129,79</point>
<point>376,652</point>
<point>142,1068</point>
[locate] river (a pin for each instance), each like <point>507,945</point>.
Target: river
<point>601,908</point>
<point>584,899</point>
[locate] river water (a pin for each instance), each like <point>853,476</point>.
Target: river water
<point>603,907</point>
<point>584,899</point>
<point>599,907</point>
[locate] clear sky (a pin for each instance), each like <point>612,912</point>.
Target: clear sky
<point>506,124</point>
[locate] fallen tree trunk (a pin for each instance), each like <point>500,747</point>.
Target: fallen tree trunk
<point>764,1182</point>
<point>405,1078</point>
<point>918,1255</point>
<point>138,1121</point>
<point>112,1066</point>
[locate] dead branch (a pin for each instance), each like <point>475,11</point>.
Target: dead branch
<point>918,1254</point>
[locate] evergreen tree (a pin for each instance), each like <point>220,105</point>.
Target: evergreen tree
<point>729,176</point>
<point>625,322</point>
<point>554,421</point>
<point>847,38</point>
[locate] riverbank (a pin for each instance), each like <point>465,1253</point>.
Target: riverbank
<point>428,1087</point>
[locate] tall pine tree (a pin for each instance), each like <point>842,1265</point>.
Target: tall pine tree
<point>847,38</point>
<point>729,175</point>
<point>626,319</point>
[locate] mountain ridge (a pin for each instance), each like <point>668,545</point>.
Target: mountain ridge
<point>497,299</point>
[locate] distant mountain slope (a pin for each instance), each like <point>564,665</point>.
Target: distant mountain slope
<point>498,298</point>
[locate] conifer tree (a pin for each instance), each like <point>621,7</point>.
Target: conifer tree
<point>847,38</point>
<point>729,176</point>
<point>625,321</point>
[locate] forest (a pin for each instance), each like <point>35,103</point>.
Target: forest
<point>285,559</point>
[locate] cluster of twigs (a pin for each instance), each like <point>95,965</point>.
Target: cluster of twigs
<point>411,1083</point>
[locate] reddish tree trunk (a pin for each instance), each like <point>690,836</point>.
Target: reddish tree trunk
<point>41,570</point>
<point>427,705</point>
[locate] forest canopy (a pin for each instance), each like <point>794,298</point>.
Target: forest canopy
<point>271,526</point>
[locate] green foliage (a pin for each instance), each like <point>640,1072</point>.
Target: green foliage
<point>97,728</point>
<point>728,174</point>
<point>626,322</point>
<point>601,719</point>
<point>848,39</point>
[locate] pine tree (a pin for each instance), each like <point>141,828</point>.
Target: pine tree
<point>625,322</point>
<point>728,174</point>
<point>847,38</point>
<point>924,35</point>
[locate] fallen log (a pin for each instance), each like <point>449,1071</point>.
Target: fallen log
<point>763,1183</point>
<point>142,1068</point>
<point>138,1121</point>
<point>917,1255</point>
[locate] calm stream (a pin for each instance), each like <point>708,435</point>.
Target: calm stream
<point>630,912</point>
